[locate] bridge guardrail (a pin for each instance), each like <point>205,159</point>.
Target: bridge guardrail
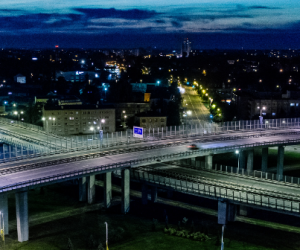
<point>211,191</point>
<point>76,145</point>
<point>147,160</point>
<point>254,174</point>
<point>184,131</point>
<point>169,156</point>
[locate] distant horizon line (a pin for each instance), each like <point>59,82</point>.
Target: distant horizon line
<point>132,48</point>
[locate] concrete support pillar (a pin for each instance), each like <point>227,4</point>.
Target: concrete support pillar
<point>202,164</point>
<point>264,159</point>
<point>280,160</point>
<point>169,194</point>
<point>209,161</point>
<point>125,174</point>
<point>144,194</point>
<point>183,162</point>
<point>22,216</point>
<point>154,194</point>
<point>250,160</point>
<point>91,189</point>
<point>244,210</point>
<point>231,212</point>
<point>242,159</point>
<point>193,162</point>
<point>4,211</point>
<point>197,162</point>
<point>82,189</point>
<point>107,190</point>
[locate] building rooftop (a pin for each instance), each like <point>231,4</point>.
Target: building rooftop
<point>77,107</point>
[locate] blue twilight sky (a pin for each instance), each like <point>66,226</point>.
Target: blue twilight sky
<point>162,23</point>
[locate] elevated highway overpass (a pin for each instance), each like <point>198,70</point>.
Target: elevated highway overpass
<point>85,162</point>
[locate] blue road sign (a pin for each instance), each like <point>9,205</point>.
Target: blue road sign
<point>138,132</point>
<point>101,134</point>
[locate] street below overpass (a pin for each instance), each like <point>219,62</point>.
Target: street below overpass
<point>195,110</point>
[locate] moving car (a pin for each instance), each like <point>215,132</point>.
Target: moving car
<point>193,146</point>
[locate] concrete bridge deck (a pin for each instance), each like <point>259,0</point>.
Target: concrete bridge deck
<point>60,166</point>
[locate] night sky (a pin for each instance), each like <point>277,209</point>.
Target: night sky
<point>209,24</point>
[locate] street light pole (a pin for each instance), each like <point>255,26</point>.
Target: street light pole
<point>238,153</point>
<point>101,131</point>
<point>2,231</point>
<point>106,235</point>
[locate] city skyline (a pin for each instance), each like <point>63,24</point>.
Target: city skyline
<point>269,25</point>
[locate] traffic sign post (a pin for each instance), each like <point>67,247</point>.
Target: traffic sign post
<point>138,132</point>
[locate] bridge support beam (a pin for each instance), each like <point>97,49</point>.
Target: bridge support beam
<point>154,194</point>
<point>4,211</point>
<point>264,159</point>
<point>280,160</point>
<point>91,189</point>
<point>242,159</point>
<point>107,190</point>
<point>144,194</point>
<point>22,216</point>
<point>250,160</point>
<point>82,189</point>
<point>209,161</point>
<point>125,174</point>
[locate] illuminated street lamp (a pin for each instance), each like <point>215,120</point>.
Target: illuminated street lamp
<point>238,154</point>
<point>92,129</point>
<point>18,114</point>
<point>101,131</point>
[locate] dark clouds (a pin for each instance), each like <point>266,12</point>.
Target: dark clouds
<point>134,14</point>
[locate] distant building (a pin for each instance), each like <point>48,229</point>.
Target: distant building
<point>2,110</point>
<point>77,76</point>
<point>130,109</point>
<point>186,48</point>
<point>78,119</point>
<point>150,120</point>
<point>20,78</point>
<point>58,99</point>
<point>142,87</point>
<point>274,108</point>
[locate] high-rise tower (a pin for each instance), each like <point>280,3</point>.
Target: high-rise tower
<point>185,48</point>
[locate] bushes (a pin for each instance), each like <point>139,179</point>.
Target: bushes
<point>186,234</point>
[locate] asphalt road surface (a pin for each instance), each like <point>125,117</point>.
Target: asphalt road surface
<point>192,102</point>
<point>66,167</point>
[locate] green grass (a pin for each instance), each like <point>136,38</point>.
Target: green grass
<point>59,202</point>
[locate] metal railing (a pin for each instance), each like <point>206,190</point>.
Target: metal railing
<point>246,173</point>
<point>76,143</point>
<point>138,161</point>
<point>202,128</point>
<point>216,190</point>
